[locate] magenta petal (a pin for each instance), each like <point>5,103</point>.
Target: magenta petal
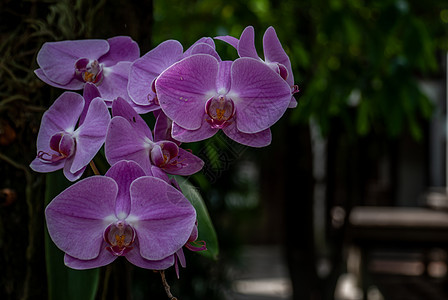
<point>90,92</point>
<point>115,81</point>
<point>162,128</point>
<point>91,134</point>
<point>203,48</point>
<point>73,84</point>
<point>273,52</point>
<point>57,59</point>
<point>76,218</point>
<point>184,88</point>
<point>204,40</point>
<point>260,95</point>
<point>232,41</point>
<point>72,176</point>
<point>122,48</point>
<point>104,258</point>
<point>164,218</point>
<point>145,69</point>
<point>121,107</point>
<point>124,143</point>
<point>124,173</point>
<point>187,136</point>
<point>259,139</point>
<point>135,258</point>
<point>246,44</point>
<point>223,78</point>
<point>189,163</point>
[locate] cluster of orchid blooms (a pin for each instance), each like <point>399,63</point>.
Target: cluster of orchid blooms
<point>137,209</point>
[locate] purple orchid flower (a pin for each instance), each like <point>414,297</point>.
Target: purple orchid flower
<point>274,54</point>
<point>60,145</point>
<point>144,71</point>
<point>71,64</point>
<point>130,138</point>
<point>201,95</point>
<point>124,213</point>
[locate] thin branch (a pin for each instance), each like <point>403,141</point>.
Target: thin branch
<point>166,286</point>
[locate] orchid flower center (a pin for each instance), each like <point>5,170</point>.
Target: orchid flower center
<point>220,110</point>
<point>165,155</point>
<point>89,70</point>
<point>64,146</point>
<point>119,236</point>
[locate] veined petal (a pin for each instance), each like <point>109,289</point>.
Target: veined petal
<point>189,163</point>
<point>204,40</point>
<point>91,134</point>
<point>258,139</point>
<point>115,81</point>
<point>223,78</point>
<point>121,107</point>
<point>260,95</point>
<point>124,143</point>
<point>162,128</point>
<point>188,136</point>
<point>164,218</point>
<point>90,92</point>
<point>246,44</point>
<point>104,258</point>
<point>73,84</point>
<point>145,69</point>
<point>135,258</point>
<point>76,218</point>
<point>57,59</point>
<point>184,88</point>
<point>122,48</point>
<point>232,41</point>
<point>124,173</point>
<point>273,52</point>
<point>203,48</point>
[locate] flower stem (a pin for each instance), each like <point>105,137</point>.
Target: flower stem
<point>94,168</point>
<point>166,286</point>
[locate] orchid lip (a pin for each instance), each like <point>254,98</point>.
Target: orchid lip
<point>62,144</point>
<point>221,110</point>
<point>119,236</point>
<point>89,71</point>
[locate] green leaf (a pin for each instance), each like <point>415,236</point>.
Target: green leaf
<point>206,230</point>
<point>63,282</point>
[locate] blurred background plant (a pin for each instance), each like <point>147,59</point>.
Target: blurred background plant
<point>358,64</point>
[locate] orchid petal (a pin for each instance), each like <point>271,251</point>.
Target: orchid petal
<point>203,48</point>
<point>223,78</point>
<point>246,44</point>
<point>90,92</point>
<point>76,218</point>
<point>122,108</point>
<point>273,52</point>
<point>187,136</point>
<point>73,85</point>
<point>104,258</point>
<point>260,95</point>
<point>115,81</point>
<point>146,69</point>
<point>135,258</point>
<point>162,128</point>
<point>122,142</point>
<point>258,139</point>
<point>91,134</point>
<point>124,173</point>
<point>190,164</point>
<point>122,48</point>
<point>164,217</point>
<point>184,88</point>
<point>204,40</point>
<point>232,41</point>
